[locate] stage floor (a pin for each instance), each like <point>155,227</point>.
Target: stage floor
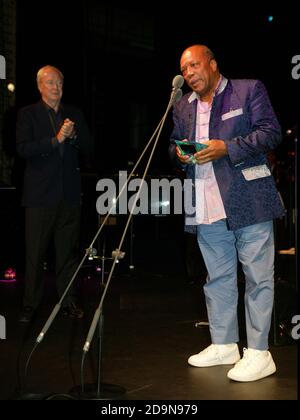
<point>149,332</point>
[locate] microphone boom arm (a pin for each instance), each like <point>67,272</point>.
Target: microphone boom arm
<point>175,96</point>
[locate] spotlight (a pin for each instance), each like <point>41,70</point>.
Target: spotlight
<point>11,87</point>
<point>10,275</point>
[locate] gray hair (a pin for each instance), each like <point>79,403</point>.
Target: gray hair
<point>44,70</point>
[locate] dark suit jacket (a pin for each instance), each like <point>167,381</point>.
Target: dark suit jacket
<point>50,177</point>
<point>243,117</point>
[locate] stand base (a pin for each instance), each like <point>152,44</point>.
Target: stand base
<point>107,392</point>
<point>29,396</point>
<point>35,396</point>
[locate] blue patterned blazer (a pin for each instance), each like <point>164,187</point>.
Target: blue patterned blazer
<point>243,117</point>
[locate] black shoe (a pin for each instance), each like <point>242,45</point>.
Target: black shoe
<point>73,311</point>
<point>26,314</point>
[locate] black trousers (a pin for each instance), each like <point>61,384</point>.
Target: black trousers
<point>61,222</point>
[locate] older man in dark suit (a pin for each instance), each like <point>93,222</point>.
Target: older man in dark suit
<point>50,136</point>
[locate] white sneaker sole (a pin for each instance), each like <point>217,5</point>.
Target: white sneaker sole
<point>269,370</point>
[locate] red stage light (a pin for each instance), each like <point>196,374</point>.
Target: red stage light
<point>10,275</point>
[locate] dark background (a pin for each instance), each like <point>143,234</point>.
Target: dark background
<point>119,59</point>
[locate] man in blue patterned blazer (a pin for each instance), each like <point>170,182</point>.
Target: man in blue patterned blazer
<point>230,203</point>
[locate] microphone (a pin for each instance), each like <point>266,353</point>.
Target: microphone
<point>176,94</point>
<point>177,82</point>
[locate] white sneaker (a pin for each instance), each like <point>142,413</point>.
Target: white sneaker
<point>216,354</point>
<point>255,364</point>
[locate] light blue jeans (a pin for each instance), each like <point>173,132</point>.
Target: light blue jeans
<point>221,248</point>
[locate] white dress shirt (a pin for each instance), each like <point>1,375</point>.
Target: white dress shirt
<point>209,204</point>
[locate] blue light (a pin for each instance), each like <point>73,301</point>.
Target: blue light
<point>270,18</point>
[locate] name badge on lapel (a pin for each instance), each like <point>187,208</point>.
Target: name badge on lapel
<point>256,172</point>
<point>232,113</point>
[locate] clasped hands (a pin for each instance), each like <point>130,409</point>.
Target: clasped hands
<point>216,149</point>
<point>66,131</point>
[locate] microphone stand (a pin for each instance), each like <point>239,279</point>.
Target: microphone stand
<point>102,391</point>
<point>90,248</point>
<point>175,96</point>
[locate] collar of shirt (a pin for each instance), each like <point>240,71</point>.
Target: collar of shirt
<point>50,109</point>
<point>222,82</point>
